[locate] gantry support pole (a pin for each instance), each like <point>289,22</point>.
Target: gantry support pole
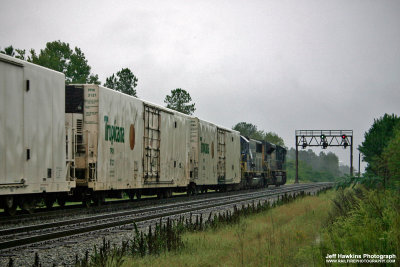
<point>351,156</point>
<point>297,162</point>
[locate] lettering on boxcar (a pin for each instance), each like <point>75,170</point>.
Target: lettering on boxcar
<point>114,133</point>
<point>205,148</point>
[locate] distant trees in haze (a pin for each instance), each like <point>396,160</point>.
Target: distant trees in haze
<point>313,167</point>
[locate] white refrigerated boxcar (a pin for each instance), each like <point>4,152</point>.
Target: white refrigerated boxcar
<point>122,143</point>
<point>32,134</point>
<point>215,156</point>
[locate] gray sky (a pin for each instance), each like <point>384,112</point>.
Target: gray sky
<point>282,65</point>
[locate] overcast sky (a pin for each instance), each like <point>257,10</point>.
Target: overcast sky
<point>281,65</point>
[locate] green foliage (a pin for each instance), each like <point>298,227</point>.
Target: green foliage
<point>10,51</point>
<point>363,221</point>
<point>167,236</point>
<point>274,138</point>
<point>250,130</point>
<point>391,158</point>
<point>111,82</point>
<point>376,139</point>
<point>125,81</point>
<point>307,173</point>
<point>272,237</point>
<point>55,56</point>
<point>369,181</point>
<point>94,79</point>
<point>179,100</point>
<point>60,57</point>
<point>312,167</point>
<point>78,70</point>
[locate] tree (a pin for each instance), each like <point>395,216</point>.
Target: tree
<point>274,138</point>
<point>125,81</point>
<point>60,57</point>
<point>376,139</point>
<point>312,167</point>
<point>391,156</point>
<point>179,100</point>
<point>94,79</point>
<point>9,50</point>
<point>249,130</point>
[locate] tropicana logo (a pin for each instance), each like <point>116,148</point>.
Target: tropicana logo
<point>114,133</point>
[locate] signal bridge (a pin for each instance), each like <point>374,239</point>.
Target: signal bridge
<point>323,139</point>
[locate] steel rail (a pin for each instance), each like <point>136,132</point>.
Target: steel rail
<point>78,229</point>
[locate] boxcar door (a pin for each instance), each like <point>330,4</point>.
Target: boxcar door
<point>151,143</point>
<point>221,167</point>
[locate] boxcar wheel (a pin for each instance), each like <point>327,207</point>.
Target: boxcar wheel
<point>138,195</point>
<point>98,199</point>
<point>11,211</point>
<point>131,195</point>
<point>86,203</point>
<point>61,202</point>
<point>49,202</point>
<point>28,204</point>
<point>10,206</point>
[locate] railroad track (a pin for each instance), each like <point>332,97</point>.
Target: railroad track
<point>22,236</point>
<point>112,206</point>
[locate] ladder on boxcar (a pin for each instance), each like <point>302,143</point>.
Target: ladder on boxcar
<point>152,139</point>
<point>221,150</point>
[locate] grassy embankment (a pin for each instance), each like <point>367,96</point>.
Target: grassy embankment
<point>286,235</point>
<point>363,221</point>
<point>301,233</point>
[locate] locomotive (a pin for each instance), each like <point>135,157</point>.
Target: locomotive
<point>85,142</point>
<point>262,163</point>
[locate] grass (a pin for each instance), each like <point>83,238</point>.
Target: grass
<point>363,221</point>
<point>287,235</point>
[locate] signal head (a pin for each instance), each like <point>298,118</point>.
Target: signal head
<point>323,136</point>
<point>344,136</point>
<point>324,145</point>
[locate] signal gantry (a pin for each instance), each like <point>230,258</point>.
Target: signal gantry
<point>323,139</point>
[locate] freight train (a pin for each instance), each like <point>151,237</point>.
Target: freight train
<point>85,142</point>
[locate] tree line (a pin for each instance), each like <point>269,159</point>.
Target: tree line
<point>59,56</point>
<point>313,167</point>
<point>380,150</point>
